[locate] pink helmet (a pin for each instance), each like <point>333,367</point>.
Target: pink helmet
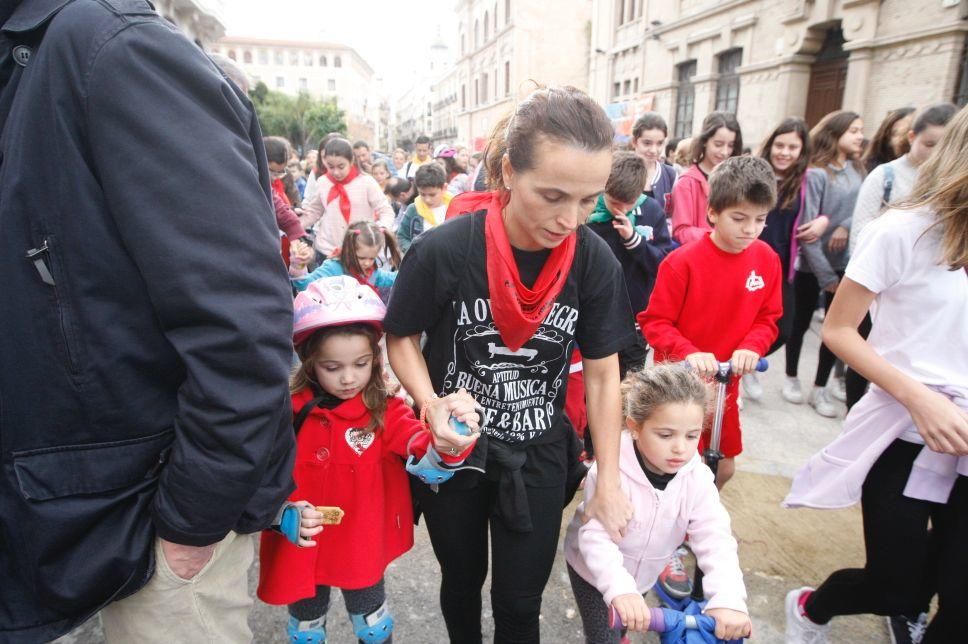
<point>335,301</point>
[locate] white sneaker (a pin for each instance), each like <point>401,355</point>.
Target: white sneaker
<point>799,629</point>
<point>792,393</point>
<point>838,389</point>
<point>752,387</point>
<point>822,404</point>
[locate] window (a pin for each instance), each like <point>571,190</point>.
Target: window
<point>263,57</point>
<point>507,78</point>
<point>627,87</point>
<point>294,58</point>
<point>483,88</point>
<point>308,58</point>
<point>303,85</point>
<point>331,84</point>
<point>462,45</point>
<point>477,91</point>
<point>477,34</point>
<point>495,18</point>
<point>277,58</point>
<point>620,12</point>
<point>280,82</point>
<point>507,11</point>
<point>685,98</point>
<point>727,87</point>
<point>635,86</point>
<point>463,97</point>
<point>961,97</point>
<point>322,61</point>
<point>232,54</point>
<point>247,56</point>
<point>616,89</point>
<point>487,27</point>
<point>337,61</point>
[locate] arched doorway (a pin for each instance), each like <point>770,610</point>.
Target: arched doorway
<point>828,77</point>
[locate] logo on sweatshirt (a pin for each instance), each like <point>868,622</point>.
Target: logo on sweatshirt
<point>754,282</point>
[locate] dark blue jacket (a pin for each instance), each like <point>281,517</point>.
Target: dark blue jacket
<point>143,376</point>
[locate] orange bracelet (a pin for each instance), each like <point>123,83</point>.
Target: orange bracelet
<point>423,410</point>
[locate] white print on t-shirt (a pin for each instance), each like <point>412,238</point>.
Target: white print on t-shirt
<point>516,389</point>
<point>359,439</point>
<point>754,282</point>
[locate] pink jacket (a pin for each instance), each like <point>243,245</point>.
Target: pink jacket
<point>834,477</point>
<point>689,505</point>
<point>690,199</point>
<point>367,203</point>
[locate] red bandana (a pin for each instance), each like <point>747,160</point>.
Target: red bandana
<point>339,192</point>
<point>518,311</point>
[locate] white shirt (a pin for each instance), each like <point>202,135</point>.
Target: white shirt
<point>920,314</point>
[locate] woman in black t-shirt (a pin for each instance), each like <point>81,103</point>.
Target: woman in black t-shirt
<point>504,294</point>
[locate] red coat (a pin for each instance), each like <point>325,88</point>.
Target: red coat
<point>338,465</point>
<point>690,200</point>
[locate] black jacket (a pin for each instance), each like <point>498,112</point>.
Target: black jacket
<point>145,313</point>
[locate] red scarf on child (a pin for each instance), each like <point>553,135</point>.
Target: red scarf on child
<point>338,191</point>
<point>518,311</point>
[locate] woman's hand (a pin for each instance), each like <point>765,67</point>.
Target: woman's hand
<point>811,232</point>
<point>838,239</point>
<point>610,507</point>
<point>633,611</point>
<point>942,424</point>
<point>624,227</point>
<point>705,364</point>
<point>463,407</point>
<point>731,624</point>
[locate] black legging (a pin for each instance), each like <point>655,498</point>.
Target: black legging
<point>903,555</point>
<point>458,521</point>
<point>855,383</point>
<point>784,325</point>
<point>806,289</point>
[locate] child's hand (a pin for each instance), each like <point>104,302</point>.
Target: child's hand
<point>809,233</point>
<point>633,611</point>
<point>838,239</point>
<point>310,524</point>
<point>744,362</point>
<point>731,624</point>
<point>942,424</point>
<point>705,364</point>
<point>622,224</point>
<point>300,253</point>
<point>461,406</point>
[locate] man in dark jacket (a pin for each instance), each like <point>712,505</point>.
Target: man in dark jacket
<point>144,327</point>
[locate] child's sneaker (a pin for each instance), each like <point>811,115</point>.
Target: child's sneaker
<point>799,628</point>
<point>822,404</point>
<point>674,579</point>
<point>838,388</point>
<point>792,393</point>
<point>904,631</point>
<point>752,387</point>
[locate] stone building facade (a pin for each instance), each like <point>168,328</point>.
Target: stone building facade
<point>201,20</point>
<point>769,59</point>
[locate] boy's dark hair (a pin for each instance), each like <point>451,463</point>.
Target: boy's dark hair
<point>277,149</point>
<point>649,121</point>
<point>423,139</point>
<point>396,186</point>
<point>430,175</point>
<point>627,177</point>
<point>742,180</point>
<point>361,144</point>
<point>670,149</point>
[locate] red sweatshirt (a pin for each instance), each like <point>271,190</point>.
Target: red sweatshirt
<point>708,300</point>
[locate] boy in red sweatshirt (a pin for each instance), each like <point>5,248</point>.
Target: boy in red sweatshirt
<point>718,299</point>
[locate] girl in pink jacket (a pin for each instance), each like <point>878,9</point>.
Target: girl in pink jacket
<point>673,495</point>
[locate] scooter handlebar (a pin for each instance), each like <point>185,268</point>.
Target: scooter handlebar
<point>656,620</point>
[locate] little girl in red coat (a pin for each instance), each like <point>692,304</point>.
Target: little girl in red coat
<point>352,441</point>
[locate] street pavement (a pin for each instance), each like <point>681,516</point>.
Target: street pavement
<point>779,549</point>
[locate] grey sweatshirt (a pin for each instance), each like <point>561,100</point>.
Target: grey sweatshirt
<point>836,194</point>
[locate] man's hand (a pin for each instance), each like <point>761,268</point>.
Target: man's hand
<point>186,561</point>
<point>611,508</point>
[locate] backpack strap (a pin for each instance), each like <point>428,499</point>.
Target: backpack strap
<point>888,184</point>
<point>305,410</point>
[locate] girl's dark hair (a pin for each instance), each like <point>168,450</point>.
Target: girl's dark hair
<point>375,393</point>
<point>710,125</point>
<point>649,121</point>
<point>561,114</point>
<point>937,115</point>
<point>670,149</point>
<point>320,152</point>
<point>292,192</point>
<point>789,187</point>
<point>825,136</point>
<point>396,186</point>
<point>881,148</point>
<point>368,234</point>
<point>339,147</point>
<point>278,149</point>
<point>452,167</point>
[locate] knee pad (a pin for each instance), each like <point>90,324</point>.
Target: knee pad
<point>374,627</point>
<point>306,636</point>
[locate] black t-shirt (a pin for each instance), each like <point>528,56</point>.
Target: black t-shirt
<point>778,232</point>
<point>442,290</point>
<point>658,481</point>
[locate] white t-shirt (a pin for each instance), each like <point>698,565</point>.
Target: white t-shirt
<point>920,314</point>
<point>440,214</point>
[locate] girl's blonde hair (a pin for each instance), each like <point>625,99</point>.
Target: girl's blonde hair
<point>643,392</point>
<point>942,186</point>
<point>375,393</point>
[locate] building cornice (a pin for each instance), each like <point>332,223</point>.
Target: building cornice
<point>884,41</point>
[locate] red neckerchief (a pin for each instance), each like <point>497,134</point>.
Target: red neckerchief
<point>280,189</point>
<point>518,311</point>
<point>339,192</point>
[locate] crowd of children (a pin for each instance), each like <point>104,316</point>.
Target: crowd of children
<point>700,253</point>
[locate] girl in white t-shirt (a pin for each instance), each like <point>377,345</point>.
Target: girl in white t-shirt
<point>904,449</point>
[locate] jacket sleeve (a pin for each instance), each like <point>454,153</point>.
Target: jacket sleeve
<point>382,211</point>
<point>658,322</point>
<point>711,539</point>
<point>764,330</point>
<point>868,205</point>
<point>385,279</point>
<point>405,230</point>
<point>405,435</point>
<point>688,211</point>
<point>648,253</point>
<point>286,220</point>
<point>329,268</point>
<point>813,253</point>
<point>313,207</point>
<point>191,204</point>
